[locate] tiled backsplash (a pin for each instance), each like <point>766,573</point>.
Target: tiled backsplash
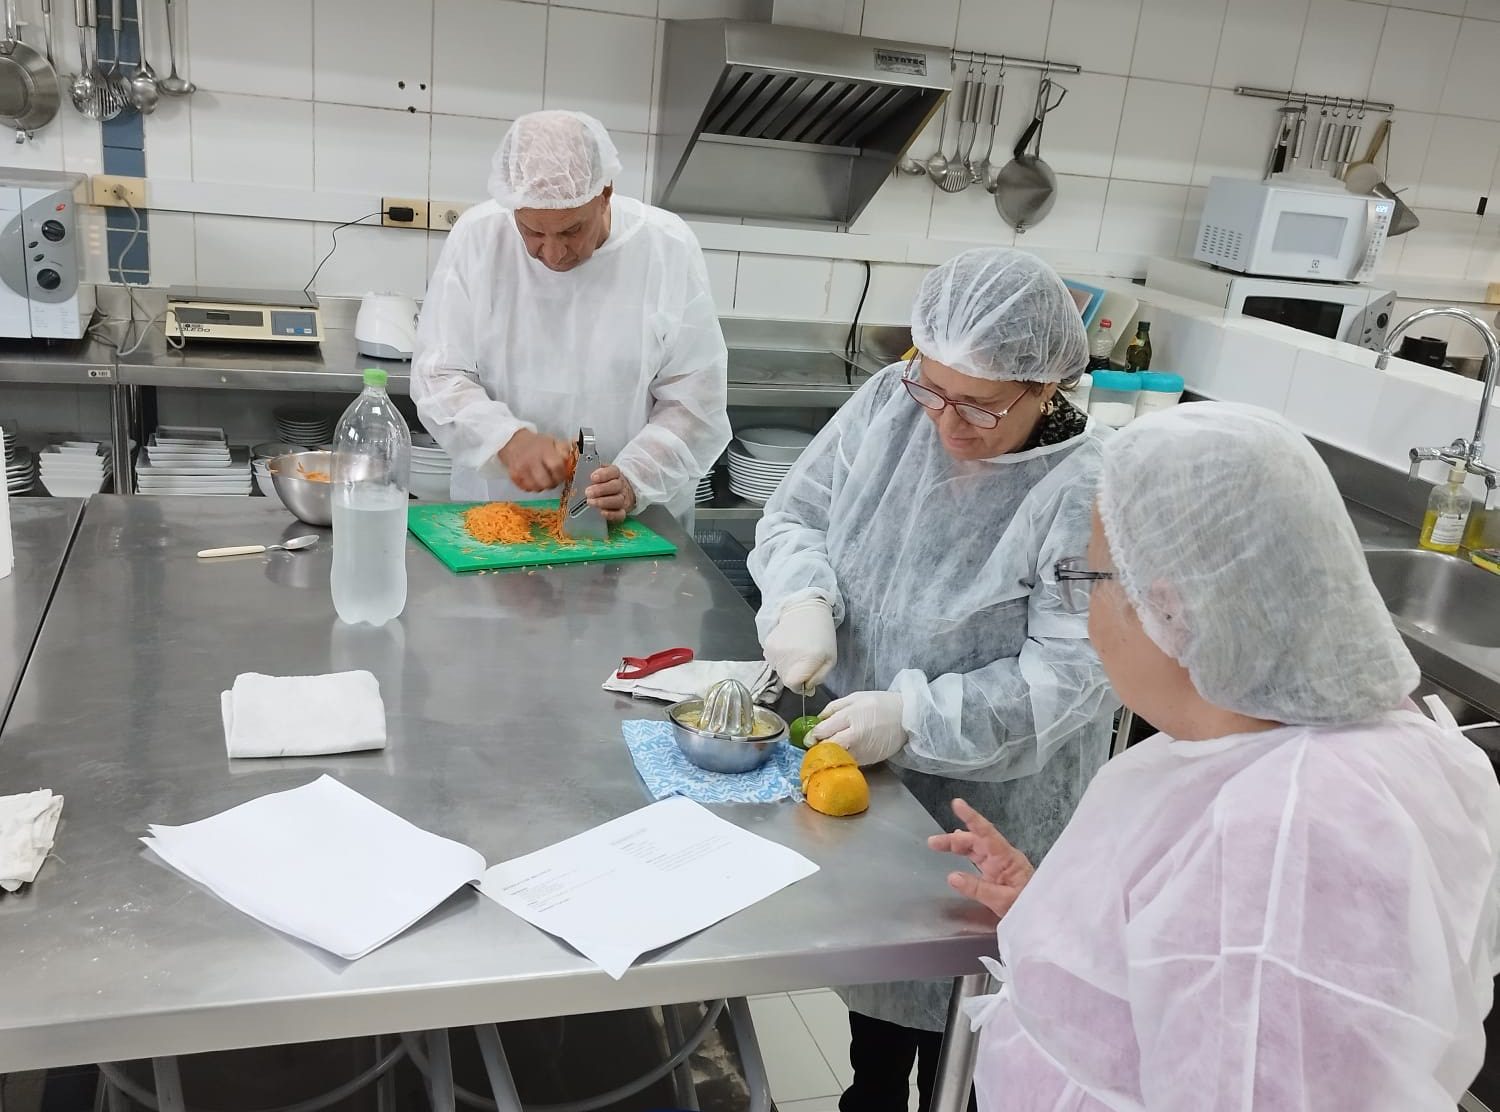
<point>341,99</point>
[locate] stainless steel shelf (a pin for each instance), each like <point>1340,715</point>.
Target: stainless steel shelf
<point>86,362</point>
<point>332,366</point>
<point>735,509</point>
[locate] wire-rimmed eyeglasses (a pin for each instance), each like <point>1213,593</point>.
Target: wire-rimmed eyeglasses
<point>1075,581</point>
<point>936,401</point>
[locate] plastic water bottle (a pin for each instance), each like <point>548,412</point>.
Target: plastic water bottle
<point>371,476</point>
<point>1102,346</point>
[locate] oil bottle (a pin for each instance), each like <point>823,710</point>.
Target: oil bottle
<point>1448,511</point>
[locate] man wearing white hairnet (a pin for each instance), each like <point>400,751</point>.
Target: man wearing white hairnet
<point>1285,901</point>
<point>901,562</point>
<point>559,304</point>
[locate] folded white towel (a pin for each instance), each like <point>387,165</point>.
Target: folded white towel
<point>27,825</point>
<point>693,679</point>
<point>303,716</point>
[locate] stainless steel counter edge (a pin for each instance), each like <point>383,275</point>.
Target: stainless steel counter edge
<point>1467,670</point>
<point>424,1007</point>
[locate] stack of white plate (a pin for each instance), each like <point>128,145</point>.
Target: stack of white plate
<point>705,492</point>
<point>20,468</point>
<point>75,468</point>
<point>431,469</point>
<point>760,458</point>
<point>302,426</point>
<point>192,461</point>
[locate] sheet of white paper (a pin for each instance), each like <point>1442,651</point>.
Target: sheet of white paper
<point>643,881</point>
<point>322,863</point>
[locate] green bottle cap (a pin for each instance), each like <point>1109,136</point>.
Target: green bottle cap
<point>1144,326</point>
<point>375,377</point>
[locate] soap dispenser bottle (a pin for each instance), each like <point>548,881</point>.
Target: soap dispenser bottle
<point>1447,514</point>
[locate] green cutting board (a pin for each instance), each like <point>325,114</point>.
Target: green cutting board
<point>440,526</point>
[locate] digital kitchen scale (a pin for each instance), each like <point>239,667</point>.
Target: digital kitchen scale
<point>219,313</point>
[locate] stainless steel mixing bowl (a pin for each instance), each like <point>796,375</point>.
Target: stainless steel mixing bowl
<point>724,752</point>
<point>309,500</point>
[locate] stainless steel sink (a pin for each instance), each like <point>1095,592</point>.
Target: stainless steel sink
<point>1439,594</point>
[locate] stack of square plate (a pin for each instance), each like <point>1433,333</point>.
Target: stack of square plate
<point>431,469</point>
<point>303,426</point>
<point>75,468</point>
<point>179,460</point>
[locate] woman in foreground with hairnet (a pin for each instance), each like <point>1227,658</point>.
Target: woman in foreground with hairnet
<point>900,561</point>
<point>1287,899</point>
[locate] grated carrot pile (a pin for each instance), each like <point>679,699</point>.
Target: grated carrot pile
<point>508,523</point>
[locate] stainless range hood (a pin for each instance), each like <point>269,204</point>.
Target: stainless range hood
<point>780,122</point>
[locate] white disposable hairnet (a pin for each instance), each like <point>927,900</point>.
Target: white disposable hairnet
<point>1233,545</point>
<point>999,313</point>
<point>931,567</point>
<point>553,160</point>
<point>1302,920</point>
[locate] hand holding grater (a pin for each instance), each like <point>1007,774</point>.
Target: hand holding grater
<point>580,520</point>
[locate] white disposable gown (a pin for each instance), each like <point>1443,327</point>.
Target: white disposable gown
<point>939,575</point>
<point>1301,920</point>
<point>627,343</point>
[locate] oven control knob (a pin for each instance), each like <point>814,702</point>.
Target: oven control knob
<point>54,230</point>
<point>1382,320</point>
<point>48,279</point>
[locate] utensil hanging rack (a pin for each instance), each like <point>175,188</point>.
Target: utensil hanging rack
<point>1317,100</point>
<point>983,58</point>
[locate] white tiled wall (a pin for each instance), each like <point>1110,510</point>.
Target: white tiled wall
<point>363,98</point>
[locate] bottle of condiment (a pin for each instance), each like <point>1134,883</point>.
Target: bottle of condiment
<point>1447,513</point>
<point>1138,354</point>
<point>1101,346</point>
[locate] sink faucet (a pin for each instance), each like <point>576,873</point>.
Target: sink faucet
<point>1468,454</point>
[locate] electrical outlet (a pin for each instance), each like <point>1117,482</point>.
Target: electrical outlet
<point>114,190</point>
<point>442,215</point>
<point>418,206</point>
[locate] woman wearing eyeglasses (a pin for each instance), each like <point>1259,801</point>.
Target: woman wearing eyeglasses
<point>901,562</point>
<point>1286,901</point>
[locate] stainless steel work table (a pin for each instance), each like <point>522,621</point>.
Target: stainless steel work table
<point>500,737</point>
<point>41,530</point>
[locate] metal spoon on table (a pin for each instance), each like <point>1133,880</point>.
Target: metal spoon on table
<point>173,85</point>
<point>256,549</point>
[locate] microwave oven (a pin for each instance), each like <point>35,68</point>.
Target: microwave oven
<point>1355,314</point>
<point>42,292</point>
<point>1287,231</point>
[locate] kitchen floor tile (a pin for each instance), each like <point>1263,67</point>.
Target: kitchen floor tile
<point>795,1067</point>
<point>828,1020</point>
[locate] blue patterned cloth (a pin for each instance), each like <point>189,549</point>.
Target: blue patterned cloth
<point>667,772</point>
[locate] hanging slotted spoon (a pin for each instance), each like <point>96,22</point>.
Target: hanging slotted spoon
<point>986,164</point>
<point>956,180</point>
<point>84,91</point>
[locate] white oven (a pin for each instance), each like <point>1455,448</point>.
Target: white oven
<point>1355,314</point>
<point>1287,231</point>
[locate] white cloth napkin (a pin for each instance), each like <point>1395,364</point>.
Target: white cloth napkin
<point>321,863</point>
<point>303,716</point>
<point>693,679</point>
<point>27,825</point>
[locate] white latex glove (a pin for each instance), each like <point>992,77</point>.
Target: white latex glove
<point>803,648</point>
<point>867,723</point>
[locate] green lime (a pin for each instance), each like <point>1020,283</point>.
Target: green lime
<point>801,727</point>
